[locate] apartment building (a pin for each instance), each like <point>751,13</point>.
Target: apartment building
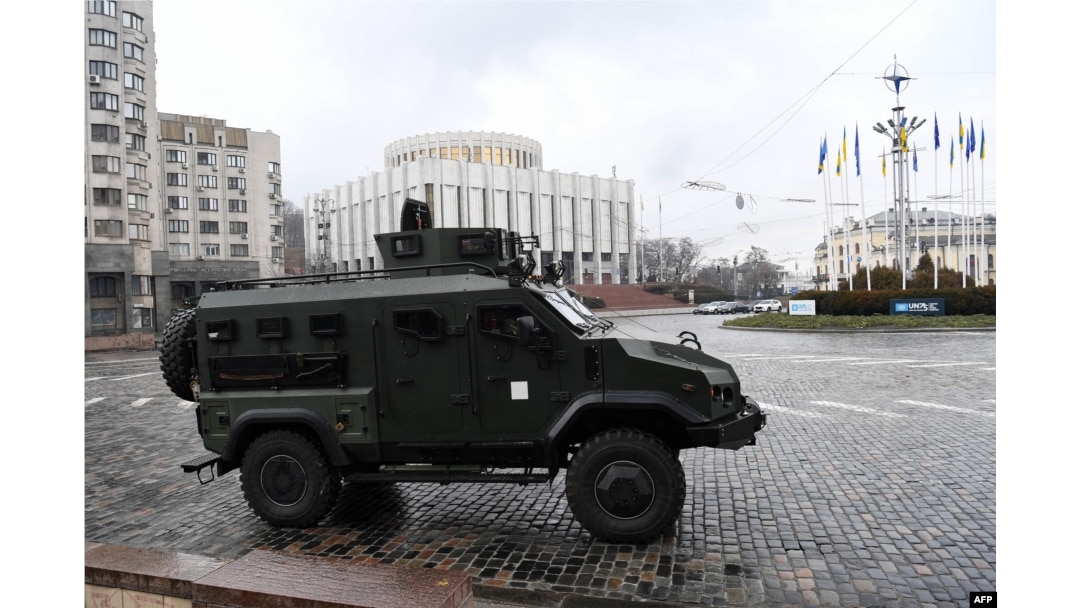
<point>480,179</point>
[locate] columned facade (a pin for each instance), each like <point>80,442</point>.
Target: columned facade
<point>478,179</point>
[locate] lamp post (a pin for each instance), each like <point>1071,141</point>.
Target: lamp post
<point>899,130</point>
<point>323,208</point>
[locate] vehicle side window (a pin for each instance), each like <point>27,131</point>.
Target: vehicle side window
<point>501,320</point>
<point>425,324</point>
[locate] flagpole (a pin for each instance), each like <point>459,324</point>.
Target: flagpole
<point>937,219</point>
<point>888,205</point>
<point>847,231</point>
<point>962,264</point>
<point>862,204</point>
<point>915,195</point>
<point>660,216</point>
<point>949,244</point>
<point>982,201</point>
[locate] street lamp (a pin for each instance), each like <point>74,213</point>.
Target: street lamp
<point>324,207</point>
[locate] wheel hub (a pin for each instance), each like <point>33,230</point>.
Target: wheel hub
<point>283,480</point>
<point>624,490</point>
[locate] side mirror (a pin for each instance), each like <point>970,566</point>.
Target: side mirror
<point>526,331</point>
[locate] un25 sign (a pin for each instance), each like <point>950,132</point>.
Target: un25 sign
<point>917,306</point>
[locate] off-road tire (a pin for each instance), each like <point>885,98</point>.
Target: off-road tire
<point>608,485</point>
<point>287,480</point>
<point>176,353</point>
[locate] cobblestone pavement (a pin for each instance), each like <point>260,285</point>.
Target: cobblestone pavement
<point>872,485</point>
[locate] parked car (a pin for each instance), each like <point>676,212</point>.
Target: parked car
<point>730,308</point>
<point>712,308</point>
<point>769,306</point>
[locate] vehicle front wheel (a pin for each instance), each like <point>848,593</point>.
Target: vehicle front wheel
<point>287,480</point>
<point>625,486</point>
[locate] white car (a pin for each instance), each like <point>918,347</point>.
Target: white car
<point>769,306</point>
<point>712,308</point>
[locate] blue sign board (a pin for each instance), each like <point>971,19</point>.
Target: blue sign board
<point>794,290</point>
<point>917,306</point>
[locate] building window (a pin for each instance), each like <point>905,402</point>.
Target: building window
<point>178,225</point>
<point>178,202</point>
<point>101,7</point>
<point>211,249</point>
<point>133,110</point>
<point>235,160</point>
<point>103,38</point>
<point>134,141</point>
<point>132,21</point>
<point>133,81</point>
<point>103,287</point>
<point>208,204</point>
<point>132,51</point>
<point>278,231</point>
<point>275,188</point>
<point>275,210</point>
<point>208,227</point>
<point>106,196</point>
<point>237,183</point>
<point>142,318</point>
<point>136,171</point>
<point>206,158</point>
<point>137,201</point>
<point>208,181</point>
<point>113,228</point>
<point>274,167</point>
<point>140,285</point>
<point>106,164</point>
<point>238,227</point>
<point>102,318</point>
<point>176,156</point>
<point>182,291</point>
<point>104,69</point>
<point>237,251</point>
<point>104,101</point>
<point>138,232</point>
<point>179,249</point>
<point>277,252</point>
<point>238,205</point>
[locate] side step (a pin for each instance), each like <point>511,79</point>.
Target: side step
<point>196,465</point>
<point>445,475</point>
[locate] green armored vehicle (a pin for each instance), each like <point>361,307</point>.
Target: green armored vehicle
<point>457,362</point>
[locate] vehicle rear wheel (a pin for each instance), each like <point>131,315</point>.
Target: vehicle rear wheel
<point>287,480</point>
<point>625,486</point>
<point>176,354</point>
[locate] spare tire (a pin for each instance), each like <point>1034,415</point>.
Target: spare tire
<point>177,350</point>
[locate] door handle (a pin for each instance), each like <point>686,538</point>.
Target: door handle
<point>496,378</point>
<point>404,381</point>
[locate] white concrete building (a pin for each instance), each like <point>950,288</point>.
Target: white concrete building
<point>480,179</point>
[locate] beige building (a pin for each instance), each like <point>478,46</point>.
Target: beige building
<point>480,179</point>
<point>172,203</point>
<point>851,254</point>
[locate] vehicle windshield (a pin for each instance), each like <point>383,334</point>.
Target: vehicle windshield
<point>571,310</point>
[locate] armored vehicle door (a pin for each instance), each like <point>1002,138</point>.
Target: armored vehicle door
<point>422,375</point>
<point>518,388</point>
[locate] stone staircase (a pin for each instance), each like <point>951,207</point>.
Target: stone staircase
<point>628,297</point>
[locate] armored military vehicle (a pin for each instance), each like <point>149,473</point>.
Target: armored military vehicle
<point>459,361</point>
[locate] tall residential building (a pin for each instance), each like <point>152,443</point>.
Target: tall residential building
<point>480,179</point>
<point>126,264</point>
<point>223,215</point>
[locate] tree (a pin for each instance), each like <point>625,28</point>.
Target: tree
<point>681,259</point>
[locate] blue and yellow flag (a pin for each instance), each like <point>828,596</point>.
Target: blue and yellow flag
<point>961,132</point>
<point>982,144</point>
<point>937,134</point>
<point>971,137</point>
<point>837,163</point>
<point>883,162</point>
<point>821,155</point>
<point>915,161</point>
<point>952,151</point>
<point>843,147</point>
<point>903,139</point>
<point>857,171</point>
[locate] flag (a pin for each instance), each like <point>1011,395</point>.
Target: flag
<point>961,132</point>
<point>915,162</point>
<point>837,163</point>
<point>857,171</point>
<point>971,137</point>
<point>844,146</point>
<point>821,155</point>
<point>982,144</point>
<point>903,139</point>
<point>883,162</point>
<point>952,150</point>
<point>937,134</point>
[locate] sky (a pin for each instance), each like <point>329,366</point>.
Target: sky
<point>737,93</point>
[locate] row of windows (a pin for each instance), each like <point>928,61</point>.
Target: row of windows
<point>108,7</point>
<point>103,319</point>
<point>485,154</point>
<point>210,158</point>
<point>107,38</point>
<point>113,196</point>
<point>208,227</point>
<point>237,205</point>
<point>214,249</point>
<point>105,287</point>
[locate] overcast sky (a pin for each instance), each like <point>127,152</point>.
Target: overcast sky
<point>739,93</point>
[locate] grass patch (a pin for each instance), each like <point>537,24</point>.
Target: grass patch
<point>785,321</point>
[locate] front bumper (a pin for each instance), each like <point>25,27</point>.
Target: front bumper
<point>730,433</point>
